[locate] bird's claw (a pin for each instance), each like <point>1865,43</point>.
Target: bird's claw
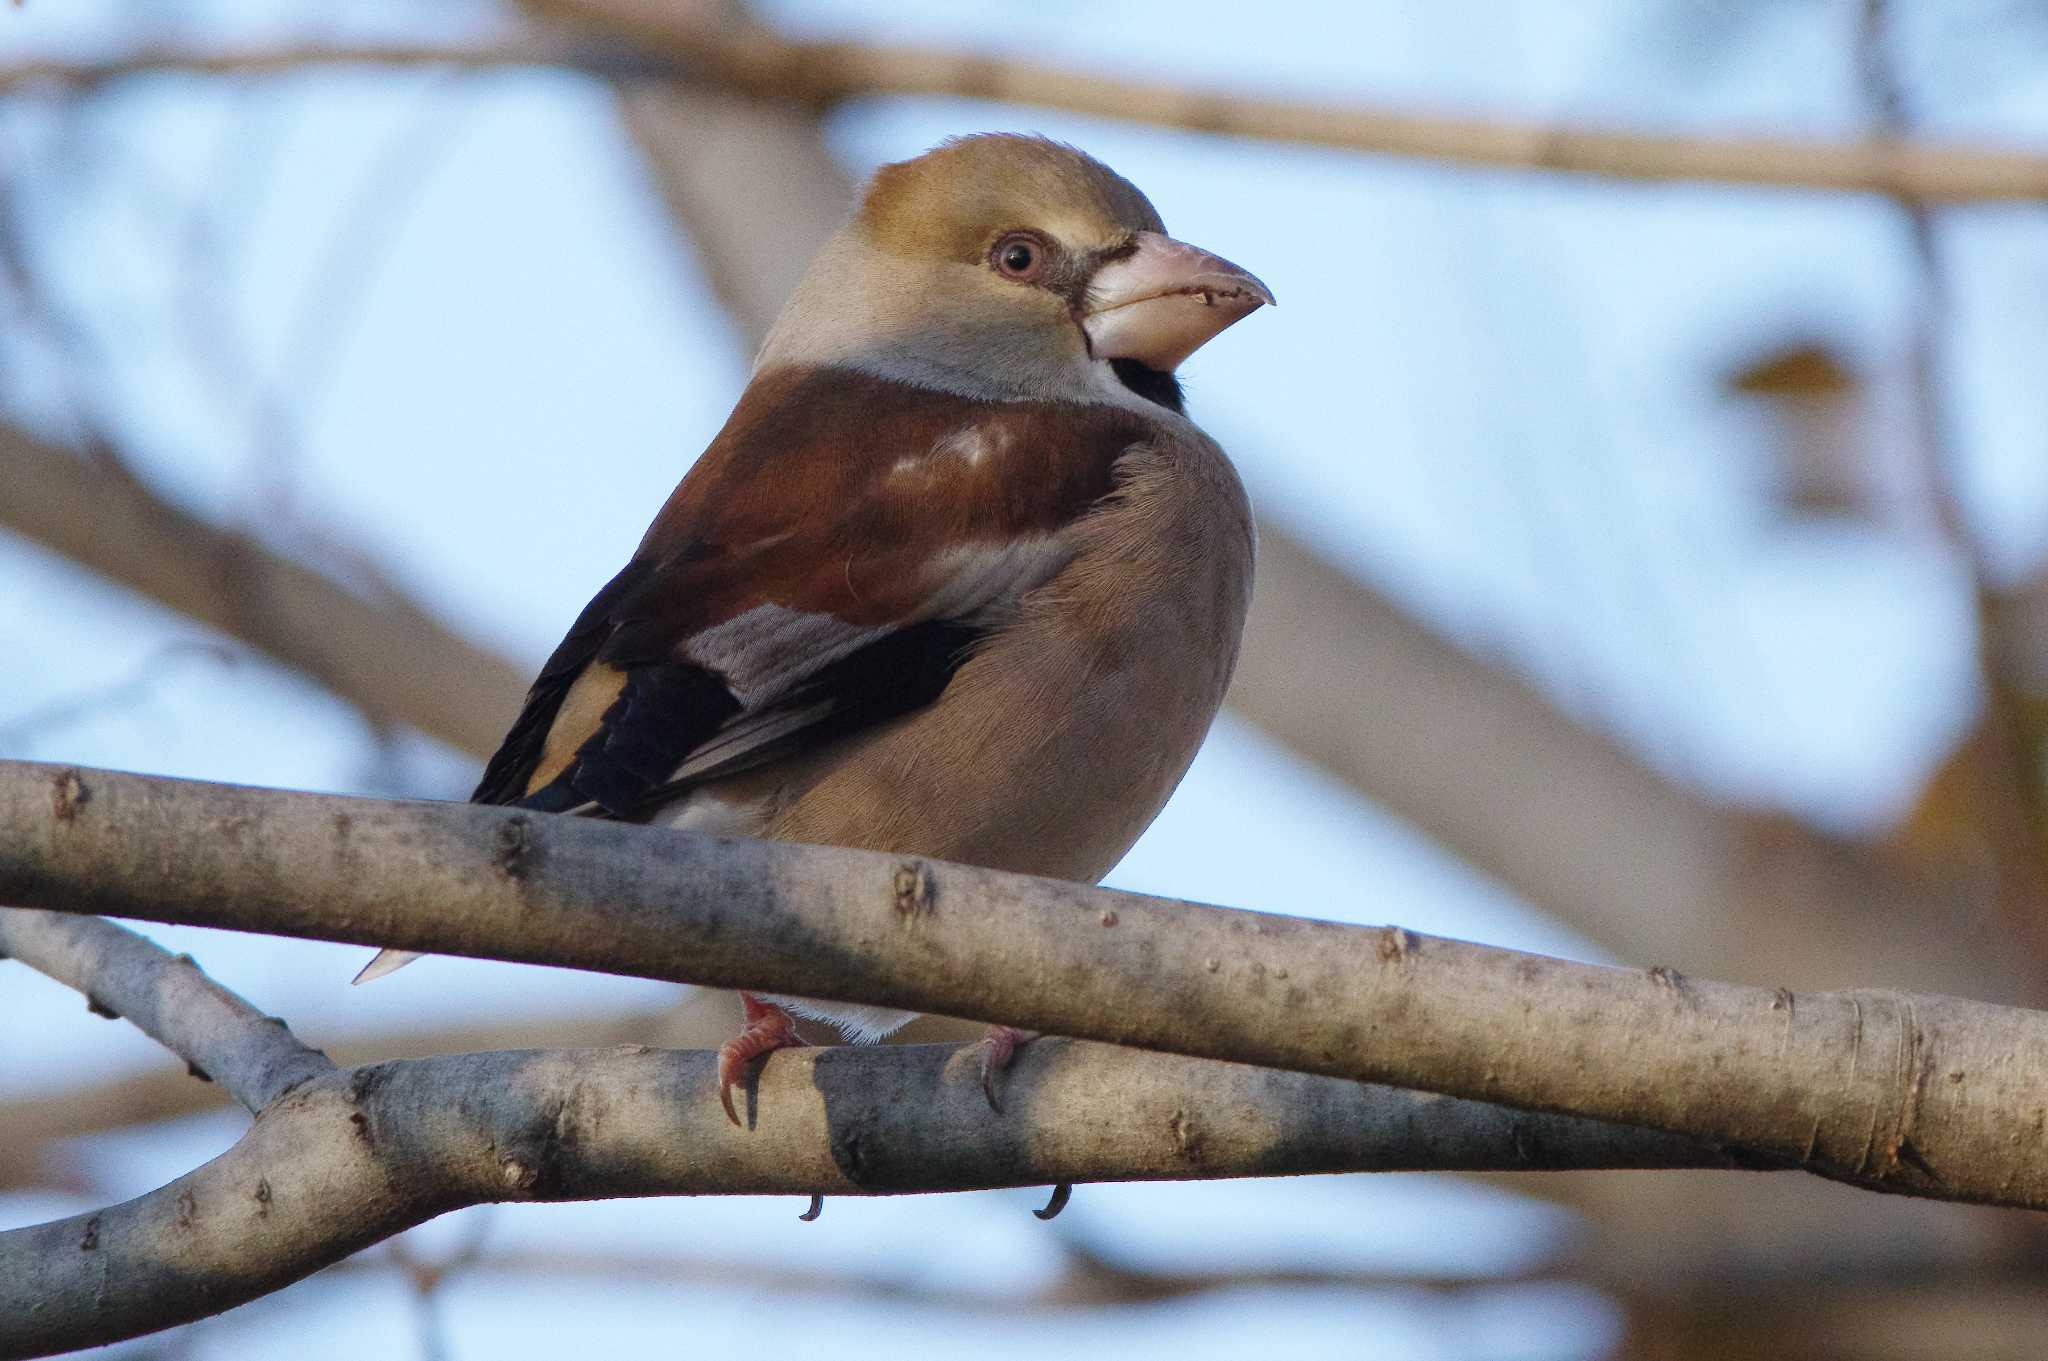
<point>998,1047</point>
<point>988,1086</point>
<point>725,1085</point>
<point>768,1028</point>
<point>1061,1194</point>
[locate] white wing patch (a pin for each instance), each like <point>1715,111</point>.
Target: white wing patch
<point>972,445</point>
<point>765,650</point>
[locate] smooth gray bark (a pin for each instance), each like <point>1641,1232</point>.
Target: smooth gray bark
<point>339,1159</point>
<point>1903,1092</point>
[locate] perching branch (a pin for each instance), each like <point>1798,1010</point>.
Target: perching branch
<point>1902,1092</point>
<point>752,60</point>
<point>339,1159</point>
<point>344,1161</point>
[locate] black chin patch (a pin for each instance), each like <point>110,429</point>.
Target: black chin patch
<point>1150,384</point>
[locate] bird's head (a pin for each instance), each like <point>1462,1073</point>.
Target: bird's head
<point>1002,265</point>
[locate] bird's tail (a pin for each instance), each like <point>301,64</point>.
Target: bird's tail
<point>387,961</point>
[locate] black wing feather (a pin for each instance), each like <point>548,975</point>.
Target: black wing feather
<point>504,779</point>
<point>663,714</point>
<point>891,676</point>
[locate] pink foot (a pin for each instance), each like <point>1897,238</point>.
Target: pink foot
<point>998,1047</point>
<point>768,1028</point>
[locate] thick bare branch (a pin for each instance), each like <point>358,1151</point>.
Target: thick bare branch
<point>1917,1094</point>
<point>346,1160</point>
<point>385,655</point>
<point>675,41</point>
<point>253,1057</point>
<point>348,1157</point>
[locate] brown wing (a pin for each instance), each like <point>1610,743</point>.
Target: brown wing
<point>827,564</point>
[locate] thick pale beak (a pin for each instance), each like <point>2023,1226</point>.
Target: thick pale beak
<point>1164,301</point>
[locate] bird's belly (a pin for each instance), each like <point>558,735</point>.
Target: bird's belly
<point>1061,738</point>
<point>1092,789</point>
<point>1050,752</point>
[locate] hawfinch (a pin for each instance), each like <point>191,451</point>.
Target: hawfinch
<point>958,579</point>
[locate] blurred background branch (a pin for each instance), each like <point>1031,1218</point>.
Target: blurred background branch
<point>381,652</point>
<point>2009,756</point>
<point>692,42</point>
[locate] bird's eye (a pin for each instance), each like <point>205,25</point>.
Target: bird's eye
<point>1018,256</point>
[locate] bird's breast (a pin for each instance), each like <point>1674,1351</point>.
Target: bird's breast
<point>1061,738</point>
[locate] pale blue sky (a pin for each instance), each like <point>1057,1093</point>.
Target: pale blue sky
<point>1491,394</point>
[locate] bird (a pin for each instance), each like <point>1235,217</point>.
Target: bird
<point>959,578</point>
